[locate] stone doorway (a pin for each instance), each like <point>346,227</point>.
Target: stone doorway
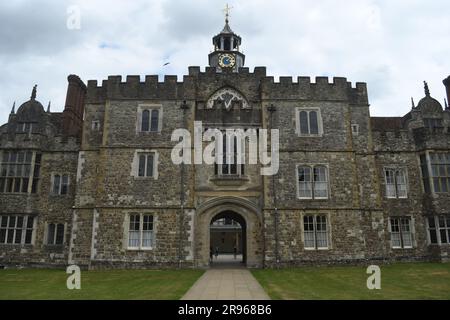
<point>246,214</point>
<point>228,240</point>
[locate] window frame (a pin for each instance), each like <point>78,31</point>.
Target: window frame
<point>24,229</point>
<point>313,182</point>
<point>298,131</point>
<point>150,108</point>
<point>146,155</point>
<point>55,234</point>
<point>446,166</point>
<point>314,232</point>
<point>141,230</point>
<point>355,129</point>
<point>134,172</point>
<point>395,183</point>
<point>8,182</point>
<point>437,228</point>
<point>428,184</point>
<point>95,125</point>
<point>60,184</point>
<point>219,168</point>
<point>25,128</point>
<point>401,232</point>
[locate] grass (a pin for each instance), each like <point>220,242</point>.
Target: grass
<point>412,281</point>
<point>49,284</point>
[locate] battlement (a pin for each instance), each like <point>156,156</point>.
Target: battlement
<point>319,81</point>
<point>134,88</point>
<point>322,89</point>
<point>172,89</point>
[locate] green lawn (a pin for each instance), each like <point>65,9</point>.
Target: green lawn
<point>112,284</point>
<point>398,281</point>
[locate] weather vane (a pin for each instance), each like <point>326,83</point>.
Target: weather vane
<point>227,12</point>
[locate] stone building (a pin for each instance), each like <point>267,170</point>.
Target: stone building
<point>96,185</point>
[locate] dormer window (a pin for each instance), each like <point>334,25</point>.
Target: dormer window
<point>432,123</point>
<point>24,127</point>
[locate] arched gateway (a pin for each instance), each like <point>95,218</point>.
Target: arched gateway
<point>241,210</point>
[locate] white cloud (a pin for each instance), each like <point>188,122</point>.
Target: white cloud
<point>391,45</point>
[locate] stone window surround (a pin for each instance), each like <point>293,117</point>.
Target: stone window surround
<point>33,233</point>
<point>312,165</point>
<point>329,231</point>
<point>412,231</point>
<point>126,227</point>
<point>396,168</point>
<point>150,107</point>
<point>319,122</point>
<point>46,232</point>
<point>135,164</point>
<point>52,183</point>
<point>438,235</point>
<point>355,129</point>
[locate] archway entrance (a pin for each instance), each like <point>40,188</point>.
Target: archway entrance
<point>228,240</point>
<point>245,214</point>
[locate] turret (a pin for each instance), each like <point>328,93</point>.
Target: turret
<point>226,55</point>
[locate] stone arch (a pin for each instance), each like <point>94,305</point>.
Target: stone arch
<point>243,208</point>
<point>242,241</point>
<point>228,96</point>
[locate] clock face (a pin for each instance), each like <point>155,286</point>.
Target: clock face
<point>227,60</point>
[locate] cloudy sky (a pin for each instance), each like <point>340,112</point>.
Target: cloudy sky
<point>393,45</point>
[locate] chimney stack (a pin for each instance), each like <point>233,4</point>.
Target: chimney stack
<point>74,108</point>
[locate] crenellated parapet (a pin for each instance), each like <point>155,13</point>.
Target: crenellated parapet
<point>304,89</point>
<point>133,88</point>
<point>198,83</point>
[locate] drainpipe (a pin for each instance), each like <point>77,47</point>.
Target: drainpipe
<point>183,107</point>
<point>272,110</point>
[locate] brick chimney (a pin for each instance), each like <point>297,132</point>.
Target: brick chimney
<point>447,87</point>
<point>74,108</point>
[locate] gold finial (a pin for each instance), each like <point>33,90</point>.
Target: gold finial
<point>227,12</point>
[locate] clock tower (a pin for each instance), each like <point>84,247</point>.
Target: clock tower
<point>226,55</point>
